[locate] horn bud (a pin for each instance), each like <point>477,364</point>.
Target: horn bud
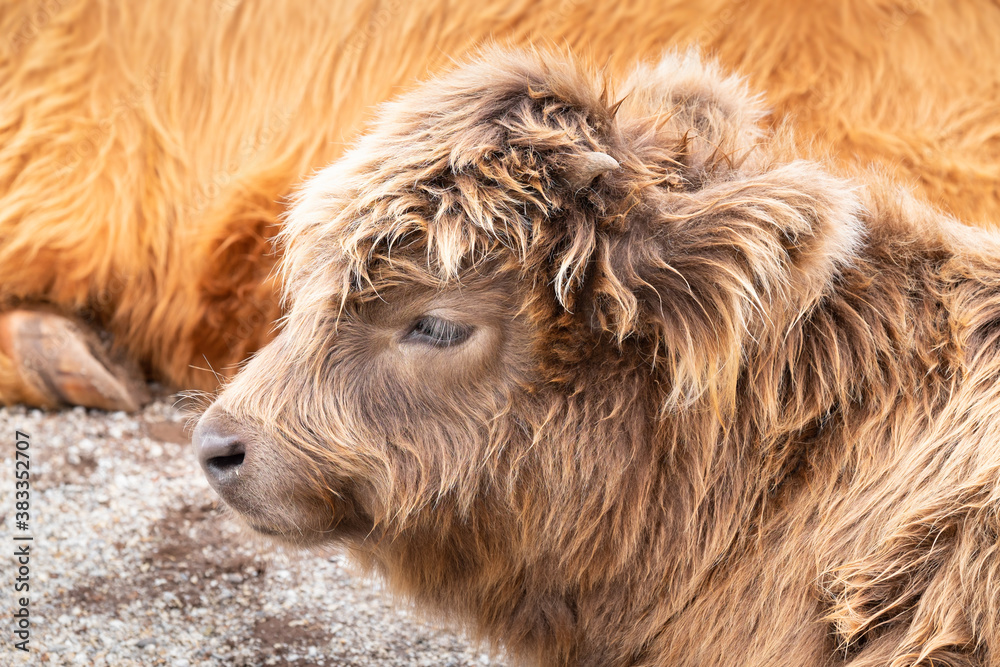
<point>587,166</point>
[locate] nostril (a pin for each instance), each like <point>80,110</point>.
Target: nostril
<point>221,452</point>
<point>222,465</point>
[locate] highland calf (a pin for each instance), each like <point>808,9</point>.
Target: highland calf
<point>620,379</point>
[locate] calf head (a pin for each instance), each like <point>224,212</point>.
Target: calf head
<point>517,312</point>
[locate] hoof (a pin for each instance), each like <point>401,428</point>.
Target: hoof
<point>62,362</point>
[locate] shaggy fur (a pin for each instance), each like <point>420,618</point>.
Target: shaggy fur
<point>145,147</point>
<point>719,407</point>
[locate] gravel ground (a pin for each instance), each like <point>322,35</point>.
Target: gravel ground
<point>133,563</point>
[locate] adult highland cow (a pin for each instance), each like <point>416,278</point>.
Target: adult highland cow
<point>146,147</point>
<point>616,378</point>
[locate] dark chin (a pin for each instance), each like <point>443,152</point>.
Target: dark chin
<point>261,526</point>
<point>285,535</point>
<point>344,532</point>
<point>310,529</point>
<point>302,535</point>
<point>261,530</point>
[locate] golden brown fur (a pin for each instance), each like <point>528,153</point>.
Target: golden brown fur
<point>146,147</point>
<point>722,406</point>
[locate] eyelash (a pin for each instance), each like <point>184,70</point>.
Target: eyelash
<point>437,332</point>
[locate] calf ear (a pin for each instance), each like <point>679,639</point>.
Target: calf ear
<point>716,245</point>
<point>680,120</point>
<point>680,125</point>
<point>707,274</point>
<point>708,118</point>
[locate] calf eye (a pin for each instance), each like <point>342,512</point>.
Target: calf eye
<point>438,332</point>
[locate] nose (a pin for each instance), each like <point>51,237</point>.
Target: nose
<point>221,451</point>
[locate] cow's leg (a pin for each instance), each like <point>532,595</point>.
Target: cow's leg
<point>48,360</point>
